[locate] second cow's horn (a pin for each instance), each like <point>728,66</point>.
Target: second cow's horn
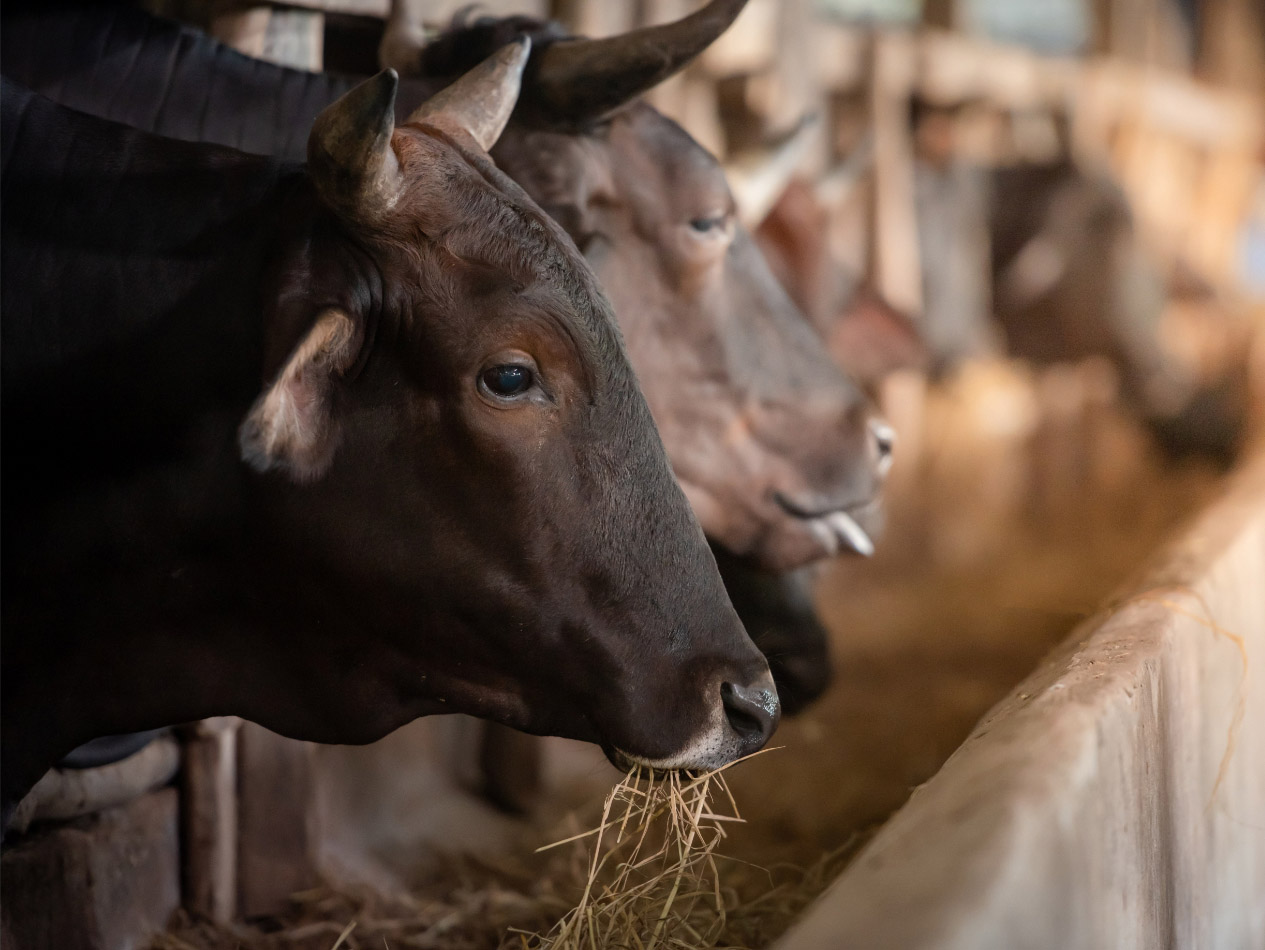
<point>482,101</point>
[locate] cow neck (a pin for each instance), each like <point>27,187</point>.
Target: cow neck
<point>133,322</point>
<point>132,348</point>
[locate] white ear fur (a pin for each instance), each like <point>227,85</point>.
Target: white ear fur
<point>291,426</point>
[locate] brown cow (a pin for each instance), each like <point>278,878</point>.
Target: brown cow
<point>779,453</point>
<point>759,425</point>
<point>453,496</point>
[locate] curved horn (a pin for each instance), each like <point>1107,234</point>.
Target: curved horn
<point>349,151</point>
<point>758,178</point>
<point>582,80</point>
<point>482,100</point>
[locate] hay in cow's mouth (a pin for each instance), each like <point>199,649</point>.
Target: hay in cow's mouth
<point>655,877</point>
<point>652,877</point>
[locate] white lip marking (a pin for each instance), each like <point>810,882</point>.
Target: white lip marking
<point>825,537</point>
<point>715,746</point>
<point>847,530</point>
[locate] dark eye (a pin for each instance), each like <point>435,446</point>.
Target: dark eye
<point>704,225</point>
<point>507,381</point>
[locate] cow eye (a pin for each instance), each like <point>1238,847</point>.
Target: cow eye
<point>708,225</point>
<point>507,381</point>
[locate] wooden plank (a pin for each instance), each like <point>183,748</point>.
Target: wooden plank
<point>376,8</point>
<point>289,37</point>
<point>244,30</point>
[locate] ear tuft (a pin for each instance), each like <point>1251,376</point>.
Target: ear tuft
<point>291,427</point>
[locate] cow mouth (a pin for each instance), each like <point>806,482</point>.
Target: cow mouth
<point>626,763</point>
<point>837,530</point>
<point>660,768</point>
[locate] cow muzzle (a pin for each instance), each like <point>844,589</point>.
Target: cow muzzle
<point>847,527</point>
<point>844,530</point>
<point>743,719</point>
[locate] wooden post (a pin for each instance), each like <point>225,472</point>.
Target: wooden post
<point>897,271</point>
<point>1231,40</point>
<point>209,818</point>
<point>277,820</point>
<point>585,18</point>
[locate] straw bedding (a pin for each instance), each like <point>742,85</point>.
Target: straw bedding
<point>651,875</point>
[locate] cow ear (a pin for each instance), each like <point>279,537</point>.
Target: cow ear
<point>292,426</point>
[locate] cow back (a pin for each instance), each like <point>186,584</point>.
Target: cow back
<point>159,76</point>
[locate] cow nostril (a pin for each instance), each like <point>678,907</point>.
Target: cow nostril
<point>752,713</point>
<point>884,437</point>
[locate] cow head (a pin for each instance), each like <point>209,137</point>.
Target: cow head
<point>458,471</point>
<point>780,455</point>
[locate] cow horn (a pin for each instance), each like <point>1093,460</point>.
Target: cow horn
<point>757,178</point>
<point>582,80</point>
<point>349,150</point>
<point>482,100</point>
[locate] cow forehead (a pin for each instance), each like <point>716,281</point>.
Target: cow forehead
<point>484,232</point>
<point>647,144</point>
<point>458,201</point>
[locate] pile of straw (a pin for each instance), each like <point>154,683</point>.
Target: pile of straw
<point>650,876</point>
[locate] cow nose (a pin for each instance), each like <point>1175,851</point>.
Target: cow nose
<point>752,711</point>
<point>884,437</point>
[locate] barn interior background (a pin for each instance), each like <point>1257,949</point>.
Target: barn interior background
<point>1036,231</point>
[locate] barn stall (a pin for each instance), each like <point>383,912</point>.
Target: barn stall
<point>1041,518</point>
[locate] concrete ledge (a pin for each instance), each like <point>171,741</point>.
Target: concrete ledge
<point>1116,799</point>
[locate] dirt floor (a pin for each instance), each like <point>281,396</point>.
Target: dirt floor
<point>1022,503</point>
